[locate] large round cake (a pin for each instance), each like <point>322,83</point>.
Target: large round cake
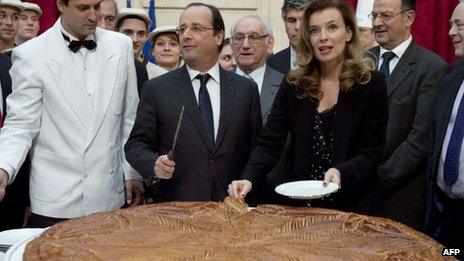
<point>229,230</point>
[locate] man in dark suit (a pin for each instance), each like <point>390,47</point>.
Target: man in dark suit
<point>292,13</point>
<point>412,74</point>
<point>221,119</point>
<point>252,39</point>
<point>445,179</point>
<point>13,207</point>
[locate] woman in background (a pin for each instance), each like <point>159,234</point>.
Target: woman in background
<point>226,57</point>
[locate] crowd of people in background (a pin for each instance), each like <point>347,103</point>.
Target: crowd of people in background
<point>88,123</point>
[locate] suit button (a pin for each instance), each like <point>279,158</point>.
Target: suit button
<point>112,172</point>
<point>110,145</point>
<point>211,161</point>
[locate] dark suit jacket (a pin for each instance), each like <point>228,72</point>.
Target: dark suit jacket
<point>13,206</point>
<point>359,135</point>
<point>280,61</point>
<point>411,102</point>
<point>142,74</point>
<point>447,92</point>
<point>203,170</point>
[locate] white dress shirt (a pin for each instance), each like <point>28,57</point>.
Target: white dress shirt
<point>457,189</point>
<point>293,56</point>
<point>85,61</point>
<point>256,75</point>
<point>398,51</point>
<point>214,90</point>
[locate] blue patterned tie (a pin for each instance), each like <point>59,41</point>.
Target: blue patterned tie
<point>451,166</point>
<point>204,103</point>
<point>385,67</point>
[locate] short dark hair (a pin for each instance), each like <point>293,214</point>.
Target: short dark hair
<point>408,5</point>
<point>218,22</point>
<point>293,5</point>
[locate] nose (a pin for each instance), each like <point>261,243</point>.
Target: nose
<point>323,36</point>
<point>8,20</point>
<point>376,21</point>
<point>246,43</point>
<point>452,31</point>
<point>298,24</point>
<point>94,14</point>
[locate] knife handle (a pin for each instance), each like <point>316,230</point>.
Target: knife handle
<point>171,155</point>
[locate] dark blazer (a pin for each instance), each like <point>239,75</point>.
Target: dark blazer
<point>447,93</point>
<point>359,135</point>
<point>271,83</point>
<point>142,74</point>
<point>16,200</point>
<point>411,102</point>
<point>203,170</point>
<point>280,61</point>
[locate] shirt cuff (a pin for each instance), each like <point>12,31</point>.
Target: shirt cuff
<point>9,170</point>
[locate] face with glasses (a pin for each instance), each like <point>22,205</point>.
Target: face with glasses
<point>136,29</point>
<point>251,44</point>
<point>328,36</point>
<point>107,16</point>
<point>28,25</point>
<point>198,40</point>
<point>391,24</point>
<point>9,23</point>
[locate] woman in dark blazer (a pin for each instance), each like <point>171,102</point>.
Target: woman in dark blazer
<point>335,108</point>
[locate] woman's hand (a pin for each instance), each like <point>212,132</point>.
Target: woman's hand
<point>332,175</point>
<point>239,188</point>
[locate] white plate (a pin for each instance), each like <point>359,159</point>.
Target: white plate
<point>15,253</point>
<point>306,189</point>
<point>13,236</point>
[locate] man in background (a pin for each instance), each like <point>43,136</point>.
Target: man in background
<point>412,75</point>
<point>28,23</point>
<point>108,14</point>
<point>9,24</point>
<point>292,14</point>
<point>445,179</point>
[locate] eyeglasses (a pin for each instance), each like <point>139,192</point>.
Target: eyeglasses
<point>253,38</point>
<point>385,16</point>
<point>196,29</point>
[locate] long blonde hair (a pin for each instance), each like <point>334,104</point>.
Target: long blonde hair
<point>356,67</point>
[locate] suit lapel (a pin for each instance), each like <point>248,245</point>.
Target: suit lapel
<point>61,66</point>
<point>227,103</point>
<point>342,126</point>
<point>186,94</point>
<point>107,66</point>
<point>268,91</point>
<point>402,69</point>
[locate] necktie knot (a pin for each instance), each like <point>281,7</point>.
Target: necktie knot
<point>76,45</point>
<point>203,78</point>
<point>388,56</point>
<point>385,66</point>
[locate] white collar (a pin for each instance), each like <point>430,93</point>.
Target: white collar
<point>213,72</point>
<point>399,50</point>
<point>256,74</point>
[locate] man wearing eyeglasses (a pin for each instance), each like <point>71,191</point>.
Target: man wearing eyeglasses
<point>9,24</point>
<point>221,120</point>
<point>412,74</point>
<point>252,40</point>
<point>108,13</point>
<point>292,14</point>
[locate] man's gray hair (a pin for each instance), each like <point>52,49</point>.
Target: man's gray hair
<point>267,27</point>
<point>115,6</point>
